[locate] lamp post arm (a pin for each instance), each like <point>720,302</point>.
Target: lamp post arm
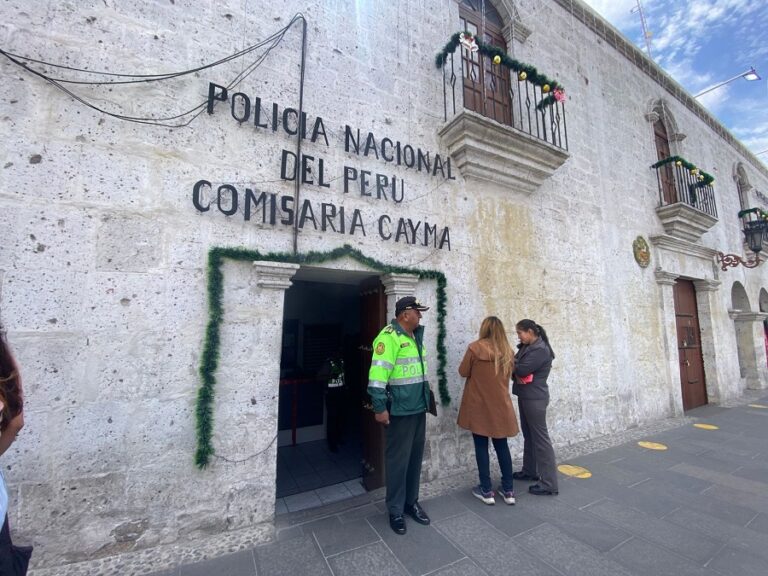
<point>723,83</point>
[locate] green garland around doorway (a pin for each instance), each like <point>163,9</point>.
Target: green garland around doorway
<point>209,361</point>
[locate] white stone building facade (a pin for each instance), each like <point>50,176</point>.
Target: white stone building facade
<point>108,226</point>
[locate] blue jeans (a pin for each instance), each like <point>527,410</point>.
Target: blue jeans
<point>484,463</point>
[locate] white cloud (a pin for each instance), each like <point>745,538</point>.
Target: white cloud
<point>617,12</point>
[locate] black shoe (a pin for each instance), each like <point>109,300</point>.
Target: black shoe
<point>417,513</point>
<point>397,523</point>
<point>523,476</point>
<point>539,490</point>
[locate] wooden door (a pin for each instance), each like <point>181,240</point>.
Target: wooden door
<point>692,381</point>
<point>486,85</point>
<point>373,317</point>
<point>666,172</point>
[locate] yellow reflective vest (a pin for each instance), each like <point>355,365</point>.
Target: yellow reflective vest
<point>399,367</point>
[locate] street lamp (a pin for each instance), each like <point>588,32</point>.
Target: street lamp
<point>755,231</point>
<point>750,75</point>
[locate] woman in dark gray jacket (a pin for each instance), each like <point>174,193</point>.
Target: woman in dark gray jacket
<point>532,365</point>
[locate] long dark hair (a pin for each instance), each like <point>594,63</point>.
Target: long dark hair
<point>10,388</point>
<point>536,329</point>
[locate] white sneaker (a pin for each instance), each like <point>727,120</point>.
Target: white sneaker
<point>508,495</point>
<point>486,497</point>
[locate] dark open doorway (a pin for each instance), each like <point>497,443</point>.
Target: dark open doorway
<point>321,438</point>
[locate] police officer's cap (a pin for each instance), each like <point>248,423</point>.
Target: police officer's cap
<point>409,303</point>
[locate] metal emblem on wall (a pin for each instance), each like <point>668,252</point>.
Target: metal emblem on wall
<point>641,251</point>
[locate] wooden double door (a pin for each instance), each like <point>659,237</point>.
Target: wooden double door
<point>692,382</point>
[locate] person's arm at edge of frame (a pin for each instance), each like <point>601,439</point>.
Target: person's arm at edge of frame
<point>17,422</point>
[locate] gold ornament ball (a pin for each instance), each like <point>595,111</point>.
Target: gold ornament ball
<point>545,88</point>
<point>522,76</point>
<point>678,163</point>
<point>497,59</point>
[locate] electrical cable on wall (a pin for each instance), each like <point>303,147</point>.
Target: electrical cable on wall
<point>271,42</point>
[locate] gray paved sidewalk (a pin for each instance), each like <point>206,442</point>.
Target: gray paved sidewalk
<point>698,508</point>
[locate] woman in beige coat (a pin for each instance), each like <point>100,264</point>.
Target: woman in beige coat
<point>486,407</point>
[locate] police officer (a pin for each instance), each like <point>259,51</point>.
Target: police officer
<point>400,394</point>
<point>332,372</point>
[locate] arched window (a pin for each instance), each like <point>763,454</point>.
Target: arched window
<point>666,172</point>
<point>743,187</point>
<point>486,86</point>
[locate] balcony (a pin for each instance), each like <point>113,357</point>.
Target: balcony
<point>687,206</point>
<point>505,122</point>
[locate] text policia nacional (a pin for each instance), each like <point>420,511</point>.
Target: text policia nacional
<point>274,209</point>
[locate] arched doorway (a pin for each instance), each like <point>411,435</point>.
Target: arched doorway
<point>740,308</point>
<point>764,308</point>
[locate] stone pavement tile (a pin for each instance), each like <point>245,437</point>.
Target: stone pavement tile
<point>579,524</point>
<point>684,446</point>
<point>280,507</point>
<point>690,544</point>
<point>658,462</point>
<point>606,456</point>
<point>756,502</point>
<point>355,487</point>
<point>729,480</point>
<point>463,567</point>
<point>753,471</point>
<point>655,505</point>
<point>759,523</point>
<point>615,473</point>
<point>510,520</point>
<point>288,533</point>
<point>578,492</point>
<point>738,537</point>
<point>443,507</point>
<point>733,513</point>
<point>335,537</point>
<point>237,564</point>
<point>489,549</point>
<point>735,458</point>
<point>732,561</point>
<point>682,482</point>
<point>302,501</point>
<point>373,560</point>
<point>333,493</point>
<point>359,512</point>
<point>423,549</point>
<point>297,557</point>
<point>643,558</point>
<point>566,554</point>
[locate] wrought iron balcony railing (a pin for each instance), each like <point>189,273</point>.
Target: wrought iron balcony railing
<point>681,182</point>
<point>499,93</point>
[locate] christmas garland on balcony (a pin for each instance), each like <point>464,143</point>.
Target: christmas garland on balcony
<point>761,214</point>
<point>209,360</point>
<point>555,92</point>
<point>703,178</point>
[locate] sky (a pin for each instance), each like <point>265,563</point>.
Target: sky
<point>701,43</point>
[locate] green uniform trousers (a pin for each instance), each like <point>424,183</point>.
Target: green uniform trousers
<point>404,453</point>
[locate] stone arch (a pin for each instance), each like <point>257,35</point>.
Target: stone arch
<point>743,185</point>
<point>750,336</point>
<point>763,300</point>
<point>739,298</point>
<point>658,110</point>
